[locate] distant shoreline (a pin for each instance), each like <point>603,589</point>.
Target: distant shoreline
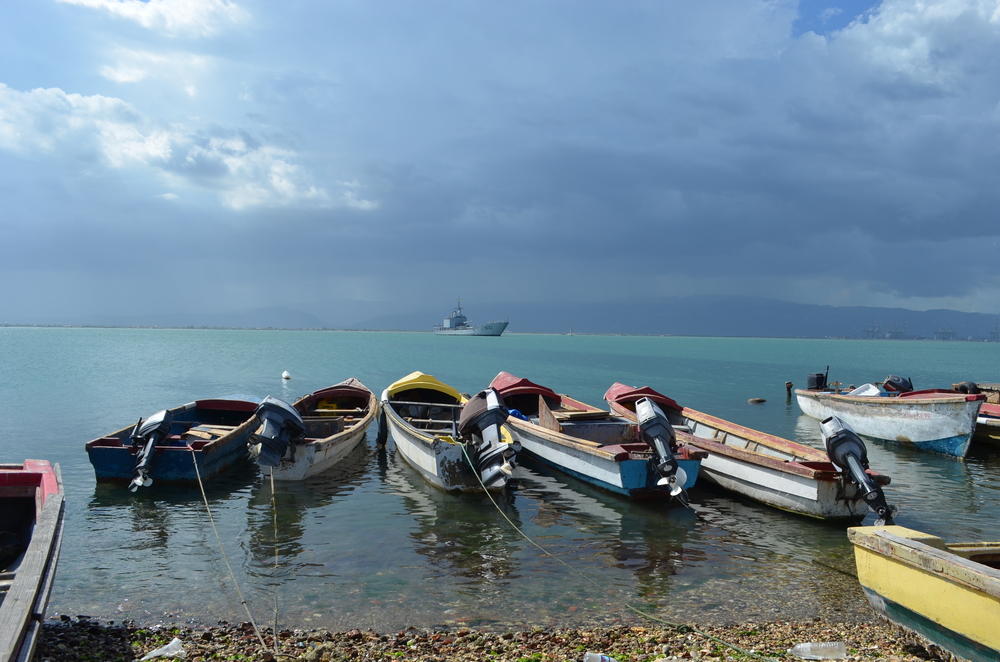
<point>506,333</point>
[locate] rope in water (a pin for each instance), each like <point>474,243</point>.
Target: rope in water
<point>194,458</point>
<point>677,626</point>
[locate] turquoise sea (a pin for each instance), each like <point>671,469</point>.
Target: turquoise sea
<point>369,544</point>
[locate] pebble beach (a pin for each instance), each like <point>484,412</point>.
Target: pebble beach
<point>84,640</point>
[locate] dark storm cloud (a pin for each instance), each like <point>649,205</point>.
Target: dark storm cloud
<point>830,153</point>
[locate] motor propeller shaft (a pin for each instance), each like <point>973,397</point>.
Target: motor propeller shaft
<point>148,434</point>
<point>849,453</point>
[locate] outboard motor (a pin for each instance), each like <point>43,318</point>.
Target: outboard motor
<point>481,418</point>
<point>817,380</point>
<point>659,434</point>
<point>155,429</point>
<point>848,452</point>
<point>898,384</point>
<point>280,424</point>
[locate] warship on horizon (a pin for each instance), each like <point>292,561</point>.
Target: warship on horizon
<point>456,324</point>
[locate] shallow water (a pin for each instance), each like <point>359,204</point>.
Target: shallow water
<point>369,544</point>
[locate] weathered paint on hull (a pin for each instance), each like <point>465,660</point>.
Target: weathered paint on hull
<point>754,464</point>
<point>941,426</point>
<point>173,464</point>
<point>632,478</point>
<point>936,633</point>
<point>314,458</point>
<point>824,499</point>
<point>919,583</point>
<point>441,463</point>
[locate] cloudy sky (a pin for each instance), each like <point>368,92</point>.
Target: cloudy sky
<point>348,158</point>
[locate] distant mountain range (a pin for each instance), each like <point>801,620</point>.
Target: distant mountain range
<point>681,316</point>
<point>721,316</point>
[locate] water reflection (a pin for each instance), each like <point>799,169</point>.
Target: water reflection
<point>460,535</point>
<point>276,531</point>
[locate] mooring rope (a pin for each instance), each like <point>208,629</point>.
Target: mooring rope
<point>194,458</point>
<point>680,627</point>
<point>274,509</point>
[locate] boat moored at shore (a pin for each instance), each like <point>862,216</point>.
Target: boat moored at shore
<point>592,445</point>
<point>333,420</point>
<point>180,445</point>
<point>948,594</point>
<point>934,420</point>
<point>454,442</point>
<point>32,508</point>
<point>778,472</point>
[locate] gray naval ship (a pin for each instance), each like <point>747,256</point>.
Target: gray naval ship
<point>456,324</point>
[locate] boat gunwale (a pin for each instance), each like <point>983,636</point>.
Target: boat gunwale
<point>844,397</point>
<point>364,422</point>
<point>23,608</point>
<point>204,449</point>
<point>916,554</point>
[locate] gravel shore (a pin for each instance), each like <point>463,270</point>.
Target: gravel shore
<point>79,640</point>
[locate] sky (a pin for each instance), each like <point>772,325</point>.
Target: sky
<point>349,158</point>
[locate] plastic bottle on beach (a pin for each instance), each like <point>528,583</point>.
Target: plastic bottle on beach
<point>827,650</point>
<point>597,657</point>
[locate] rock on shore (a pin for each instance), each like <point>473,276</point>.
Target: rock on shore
<point>82,640</point>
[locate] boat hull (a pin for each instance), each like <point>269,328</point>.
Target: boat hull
<point>940,425</point>
<point>489,329</point>
<point>113,457</point>
<point>442,463</point>
<point>939,592</point>
<point>831,499</point>
<point>612,468</point>
<point>776,472</point>
<point>36,488</point>
<point>316,455</point>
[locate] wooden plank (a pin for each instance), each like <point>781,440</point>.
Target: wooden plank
<point>18,604</point>
<point>197,434</point>
<point>545,417</point>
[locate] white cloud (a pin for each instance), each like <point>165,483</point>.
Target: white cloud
<point>53,124</point>
<point>197,17</point>
<point>133,66</point>
<point>124,74</point>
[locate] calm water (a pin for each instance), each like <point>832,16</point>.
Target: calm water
<point>369,544</point>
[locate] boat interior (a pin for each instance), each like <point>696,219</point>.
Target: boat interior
<point>17,520</point>
<point>427,409</point>
<point>196,427</point>
<point>333,411</point>
<point>597,427</point>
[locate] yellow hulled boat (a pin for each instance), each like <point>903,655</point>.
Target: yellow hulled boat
<point>947,593</point>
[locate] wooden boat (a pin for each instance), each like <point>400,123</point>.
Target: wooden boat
<point>988,425</point>
<point>211,433</point>
<point>933,420</point>
<point>336,419</point>
<point>588,443</point>
<point>948,594</point>
<point>774,471</point>
<point>31,524</point>
<point>423,417</point>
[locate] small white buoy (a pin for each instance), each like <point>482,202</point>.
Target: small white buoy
<point>285,375</point>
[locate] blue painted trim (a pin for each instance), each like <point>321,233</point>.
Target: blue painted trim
<point>637,477</point>
<point>953,446</point>
<point>954,642</point>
